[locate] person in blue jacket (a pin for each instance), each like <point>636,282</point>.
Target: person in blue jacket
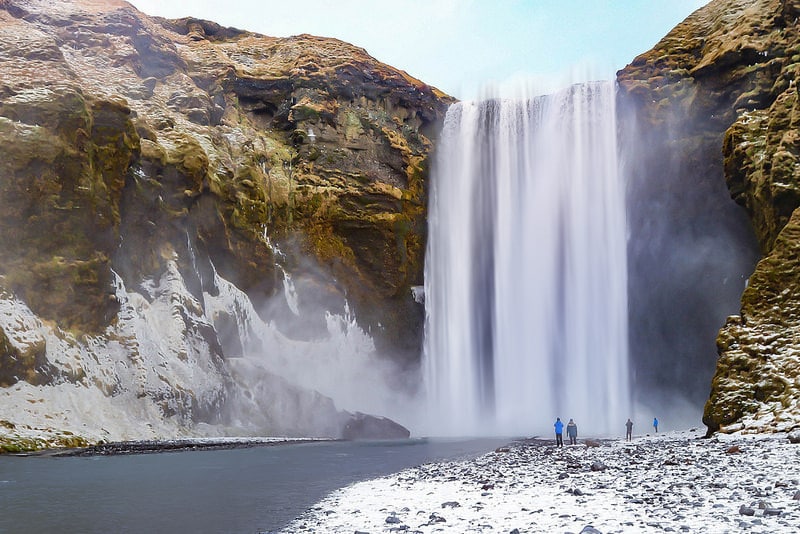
<point>655,424</point>
<point>559,426</point>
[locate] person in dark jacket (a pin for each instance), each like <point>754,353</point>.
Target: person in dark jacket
<point>572,432</point>
<point>629,429</point>
<point>559,426</point>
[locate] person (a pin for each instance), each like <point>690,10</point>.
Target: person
<point>572,432</point>
<point>629,428</point>
<point>559,426</point>
<point>655,424</point>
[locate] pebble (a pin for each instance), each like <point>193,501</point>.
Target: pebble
<point>598,466</point>
<point>746,510</point>
<point>699,489</point>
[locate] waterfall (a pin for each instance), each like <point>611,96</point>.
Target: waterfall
<point>525,275</point>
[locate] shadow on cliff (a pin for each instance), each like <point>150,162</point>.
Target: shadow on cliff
<point>690,252</point>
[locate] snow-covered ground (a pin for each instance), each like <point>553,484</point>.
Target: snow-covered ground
<point>670,482</point>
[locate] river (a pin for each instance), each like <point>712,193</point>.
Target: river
<point>246,490</point>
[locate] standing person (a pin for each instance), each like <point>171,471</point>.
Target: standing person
<point>655,424</point>
<point>629,429</point>
<point>559,426</point>
<point>572,432</point>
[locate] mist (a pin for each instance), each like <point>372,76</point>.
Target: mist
<point>307,335</point>
<point>691,250</point>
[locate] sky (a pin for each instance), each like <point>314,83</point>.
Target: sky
<point>464,47</point>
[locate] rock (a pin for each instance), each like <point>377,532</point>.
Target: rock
<point>598,466</point>
<point>591,443</point>
<point>392,520</point>
<point>794,436</point>
<point>435,518</point>
<point>364,426</point>
<point>450,504</point>
<point>733,450</point>
<point>796,496</point>
<point>746,510</point>
<point>562,476</point>
<point>589,529</point>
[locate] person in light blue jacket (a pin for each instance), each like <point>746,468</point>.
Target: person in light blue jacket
<point>559,426</point>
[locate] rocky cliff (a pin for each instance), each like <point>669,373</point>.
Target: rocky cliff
<point>185,207</point>
<point>723,84</point>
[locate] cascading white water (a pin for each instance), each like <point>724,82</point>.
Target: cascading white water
<point>525,276</point>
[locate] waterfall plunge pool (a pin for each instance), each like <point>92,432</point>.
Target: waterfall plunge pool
<point>248,490</point>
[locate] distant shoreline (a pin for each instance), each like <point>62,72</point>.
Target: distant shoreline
<point>172,445</point>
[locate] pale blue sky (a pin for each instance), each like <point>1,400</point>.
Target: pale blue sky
<point>463,46</point>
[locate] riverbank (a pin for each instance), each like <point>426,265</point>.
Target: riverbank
<point>171,445</point>
<point>670,482</point>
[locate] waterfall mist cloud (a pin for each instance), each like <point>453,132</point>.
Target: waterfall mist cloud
<point>308,335</point>
<point>691,249</point>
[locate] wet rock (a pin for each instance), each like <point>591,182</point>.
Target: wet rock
<point>598,466</point>
<point>364,426</point>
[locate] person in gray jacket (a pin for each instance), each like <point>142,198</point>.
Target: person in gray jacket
<point>572,432</point>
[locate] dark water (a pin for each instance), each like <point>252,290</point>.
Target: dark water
<point>238,491</point>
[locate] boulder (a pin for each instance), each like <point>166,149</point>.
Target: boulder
<point>364,426</point>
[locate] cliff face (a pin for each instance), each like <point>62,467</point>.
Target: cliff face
<point>727,75</point>
<point>149,162</point>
